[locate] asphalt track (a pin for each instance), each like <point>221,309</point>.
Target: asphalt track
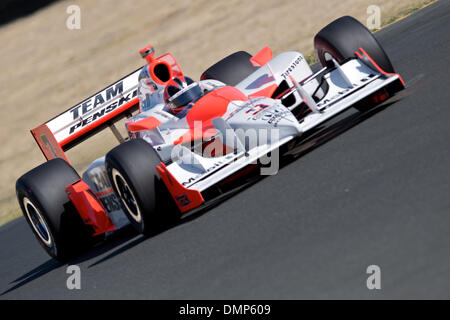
<point>378,193</point>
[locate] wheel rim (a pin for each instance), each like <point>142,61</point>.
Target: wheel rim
<point>127,196</point>
<point>38,222</point>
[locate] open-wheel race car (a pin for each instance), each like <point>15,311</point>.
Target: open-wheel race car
<point>190,142</point>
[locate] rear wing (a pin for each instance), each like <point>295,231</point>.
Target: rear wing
<point>102,109</point>
<point>88,117</point>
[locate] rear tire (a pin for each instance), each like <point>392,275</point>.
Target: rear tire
<point>48,210</point>
<point>231,70</point>
<point>342,37</point>
<point>145,200</point>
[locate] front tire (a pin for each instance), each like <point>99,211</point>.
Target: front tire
<point>342,37</point>
<point>145,200</point>
<point>48,210</point>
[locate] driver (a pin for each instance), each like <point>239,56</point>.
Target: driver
<point>180,95</point>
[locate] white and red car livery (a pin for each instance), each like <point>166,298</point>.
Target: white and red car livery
<point>250,107</point>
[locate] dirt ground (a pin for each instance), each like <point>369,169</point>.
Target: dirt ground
<point>47,68</point>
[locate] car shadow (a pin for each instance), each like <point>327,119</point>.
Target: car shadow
<point>33,274</point>
<point>325,133</point>
<point>127,238</point>
<point>122,236</point>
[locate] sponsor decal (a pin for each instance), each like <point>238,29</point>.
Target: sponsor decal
<point>275,116</point>
<point>247,106</point>
<point>192,179</point>
<point>111,202</point>
<point>213,167</point>
<point>100,179</point>
<point>87,107</point>
<point>103,189</point>
<point>97,100</point>
<point>183,200</point>
<point>49,145</point>
<point>257,109</point>
<point>272,116</point>
<point>292,67</point>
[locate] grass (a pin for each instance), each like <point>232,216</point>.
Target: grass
<point>311,58</point>
<point>404,13</point>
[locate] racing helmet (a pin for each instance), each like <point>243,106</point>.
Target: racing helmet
<point>179,92</point>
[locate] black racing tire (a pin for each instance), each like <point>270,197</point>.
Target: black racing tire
<point>131,168</point>
<point>231,70</point>
<point>48,210</point>
<point>342,37</point>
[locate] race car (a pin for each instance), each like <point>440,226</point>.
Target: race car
<point>192,142</point>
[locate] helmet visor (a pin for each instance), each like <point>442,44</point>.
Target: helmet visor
<point>184,97</point>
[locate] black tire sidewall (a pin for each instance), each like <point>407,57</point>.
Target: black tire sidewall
<point>131,179</point>
<point>136,162</point>
<point>45,186</point>
<point>231,70</point>
<point>343,37</point>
